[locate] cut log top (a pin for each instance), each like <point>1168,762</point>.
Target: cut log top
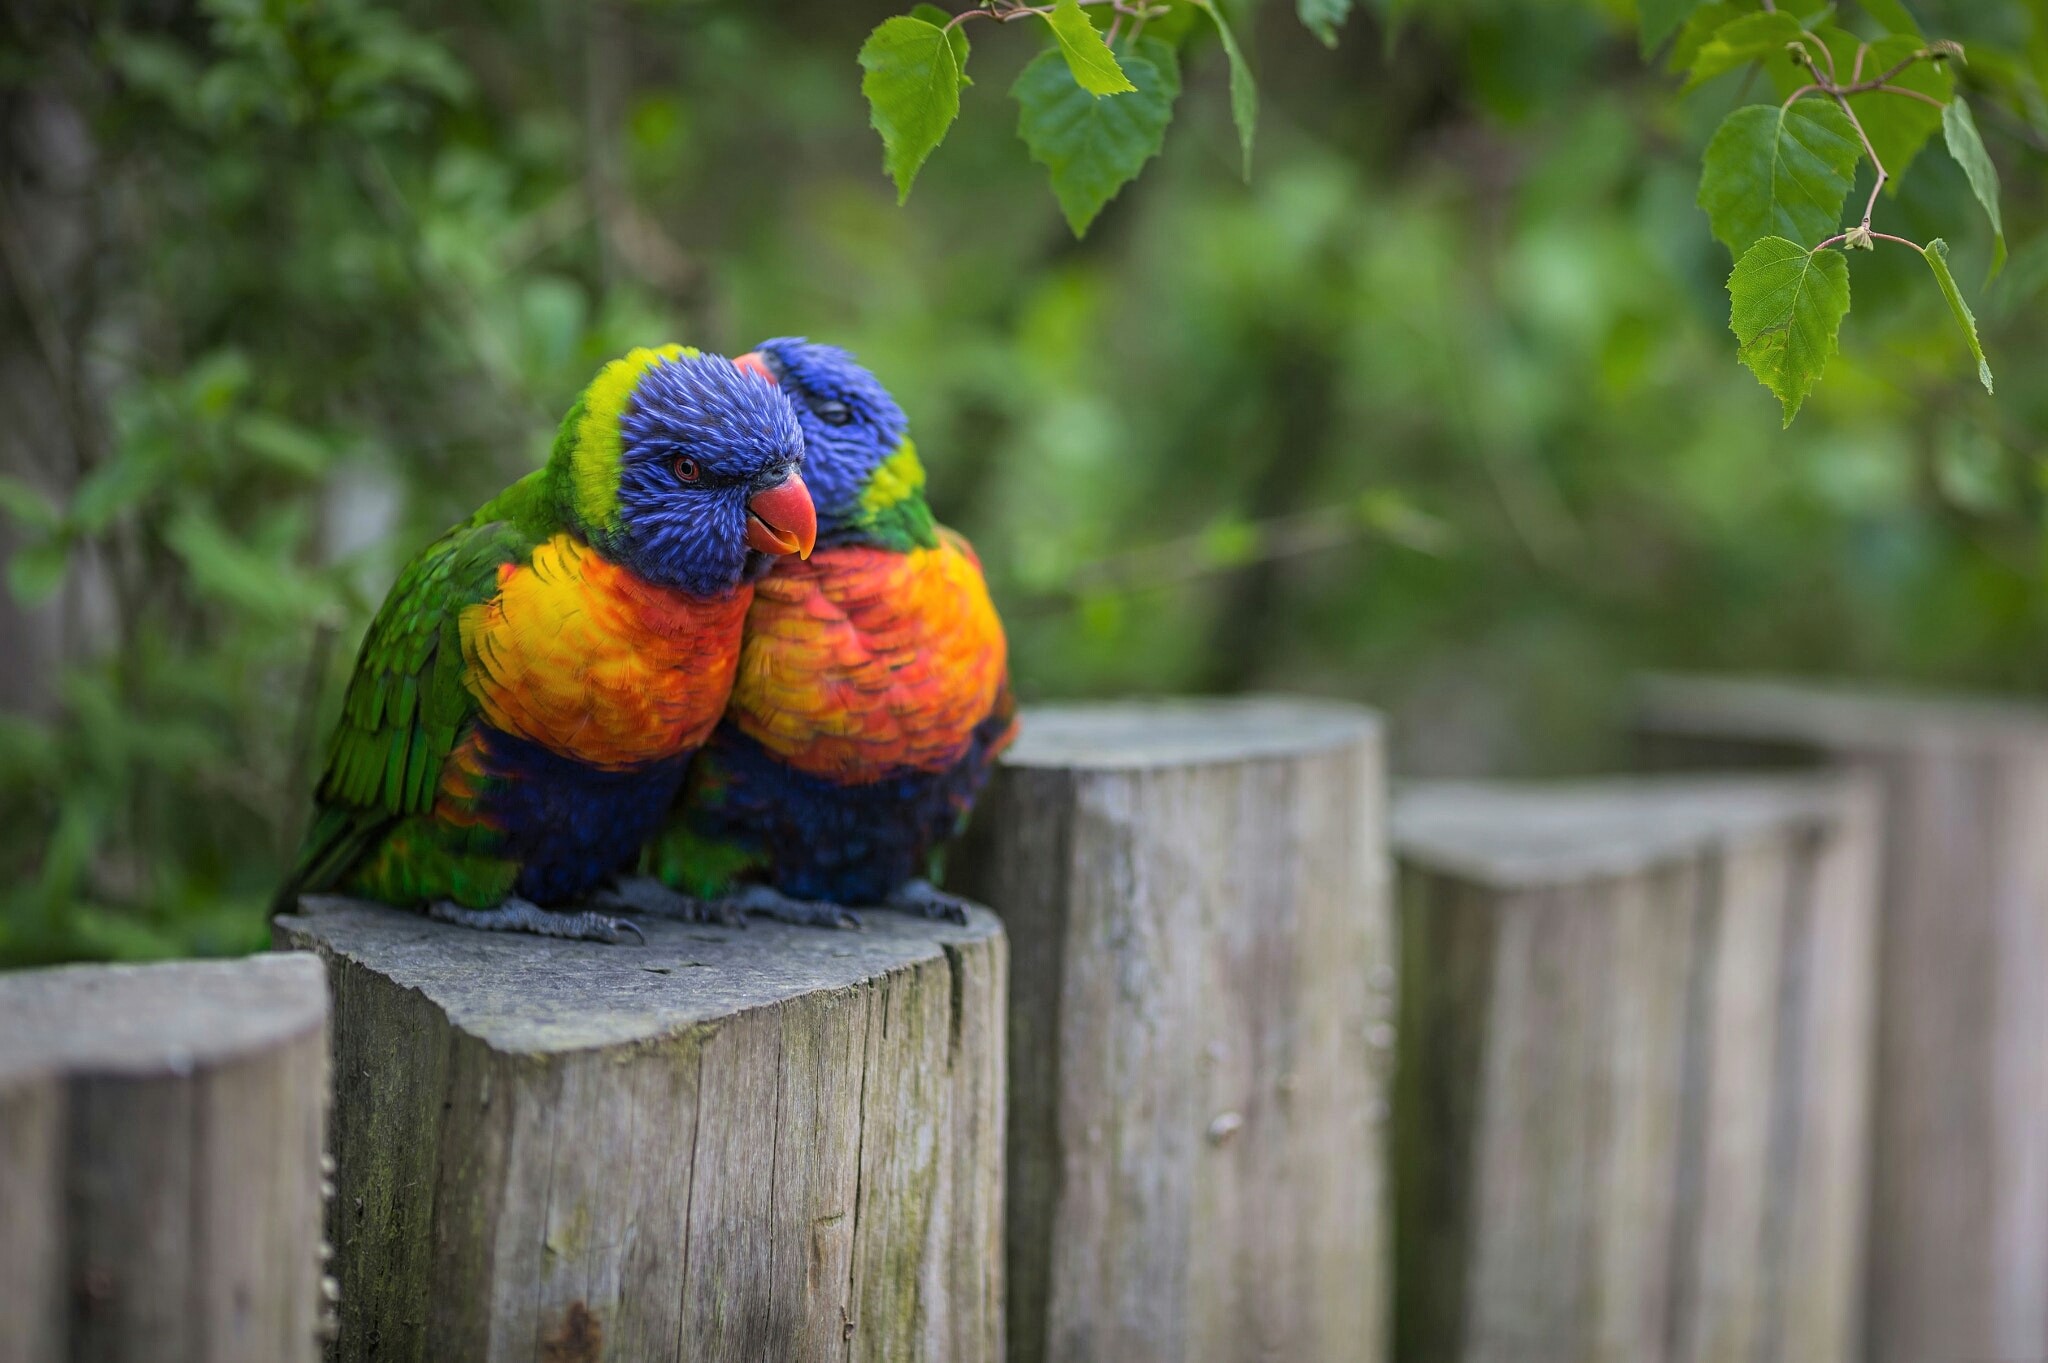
<point>532,995</point>
<point>169,1018</point>
<point>1816,713</point>
<point>1128,734</point>
<point>1526,834</point>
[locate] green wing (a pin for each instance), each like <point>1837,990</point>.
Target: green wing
<point>406,704</point>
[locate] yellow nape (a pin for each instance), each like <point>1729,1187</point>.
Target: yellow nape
<point>901,475</point>
<point>594,470</point>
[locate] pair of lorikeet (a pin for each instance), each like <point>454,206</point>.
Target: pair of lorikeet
<point>629,680</point>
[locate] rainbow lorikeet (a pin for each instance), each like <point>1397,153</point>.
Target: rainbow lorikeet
<point>872,693</point>
<point>527,698</point>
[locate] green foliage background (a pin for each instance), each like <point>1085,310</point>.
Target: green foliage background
<point>1440,410</point>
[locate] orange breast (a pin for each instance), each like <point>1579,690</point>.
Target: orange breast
<point>586,659</point>
<point>863,662</point>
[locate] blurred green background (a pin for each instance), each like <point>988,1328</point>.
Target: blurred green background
<point>1440,411</point>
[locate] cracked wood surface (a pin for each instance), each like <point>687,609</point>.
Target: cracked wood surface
<point>1199,1030</point>
<point>1636,1033</point>
<point>160,1141</point>
<point>1959,1213</point>
<point>730,1144</point>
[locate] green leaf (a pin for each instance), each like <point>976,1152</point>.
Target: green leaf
<point>957,35</point>
<point>1781,172</point>
<point>29,505</point>
<point>1898,126</point>
<point>1244,94</point>
<point>1892,14</point>
<point>1702,24</point>
<point>37,570</point>
<point>1937,260</point>
<point>1323,17</point>
<point>1088,57</point>
<point>913,92</point>
<point>1753,37</point>
<point>1659,19</point>
<point>1787,305</point>
<point>1959,130</point>
<point>1094,147</point>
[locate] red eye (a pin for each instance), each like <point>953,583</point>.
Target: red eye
<point>687,470</point>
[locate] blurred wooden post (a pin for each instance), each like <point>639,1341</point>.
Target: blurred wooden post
<point>729,1144</point>
<point>1199,1030</point>
<point>1959,1215</point>
<point>160,1146</point>
<point>1635,1038</point>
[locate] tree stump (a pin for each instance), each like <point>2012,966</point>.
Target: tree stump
<point>729,1144</point>
<point>160,1148</point>
<point>1633,1099</point>
<point>1199,1030</point>
<point>1959,1216</point>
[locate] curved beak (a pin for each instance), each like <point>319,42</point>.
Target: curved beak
<point>781,519</point>
<point>752,363</point>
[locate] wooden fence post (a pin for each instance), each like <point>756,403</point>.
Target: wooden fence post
<point>729,1144</point>
<point>1635,1045</point>
<point>160,1175</point>
<point>1200,1026</point>
<point>1959,1214</point>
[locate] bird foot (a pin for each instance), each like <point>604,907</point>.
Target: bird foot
<point>770,903</point>
<point>647,895</point>
<point>921,897</point>
<point>520,915</point>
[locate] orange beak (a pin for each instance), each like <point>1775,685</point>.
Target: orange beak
<point>781,519</point>
<point>752,363</point>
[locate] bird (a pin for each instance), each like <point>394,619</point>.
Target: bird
<point>872,695</point>
<point>526,701</point>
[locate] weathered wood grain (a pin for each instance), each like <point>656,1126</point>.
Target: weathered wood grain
<point>1959,1215</point>
<point>730,1144</point>
<point>160,1148</point>
<point>1200,1028</point>
<point>1635,1040</point>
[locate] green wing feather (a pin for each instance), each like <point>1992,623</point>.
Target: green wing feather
<point>407,703</point>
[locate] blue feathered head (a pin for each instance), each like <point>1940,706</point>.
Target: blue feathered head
<point>675,464</point>
<point>851,425</point>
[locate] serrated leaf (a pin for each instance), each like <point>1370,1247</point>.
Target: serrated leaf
<point>957,35</point>
<point>1244,93</point>
<point>1323,17</point>
<point>1937,260</point>
<point>1783,172</point>
<point>1088,57</point>
<point>912,84</point>
<point>1659,19</point>
<point>1094,147</point>
<point>1898,126</point>
<point>1959,130</point>
<point>1786,309</point>
<point>1753,37</point>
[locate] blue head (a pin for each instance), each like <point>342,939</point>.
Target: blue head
<point>859,461</point>
<point>675,464</point>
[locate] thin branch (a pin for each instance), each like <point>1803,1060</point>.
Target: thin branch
<point>1914,94</point>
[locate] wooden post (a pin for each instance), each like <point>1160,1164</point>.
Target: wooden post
<point>1959,1223</point>
<point>729,1144</point>
<point>160,1176</point>
<point>1633,1101</point>
<point>1199,1030</point>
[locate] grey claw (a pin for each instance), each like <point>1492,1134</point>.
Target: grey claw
<point>772,903</point>
<point>927,900</point>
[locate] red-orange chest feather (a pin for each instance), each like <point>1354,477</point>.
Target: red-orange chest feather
<point>864,662</point>
<point>590,661</point>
